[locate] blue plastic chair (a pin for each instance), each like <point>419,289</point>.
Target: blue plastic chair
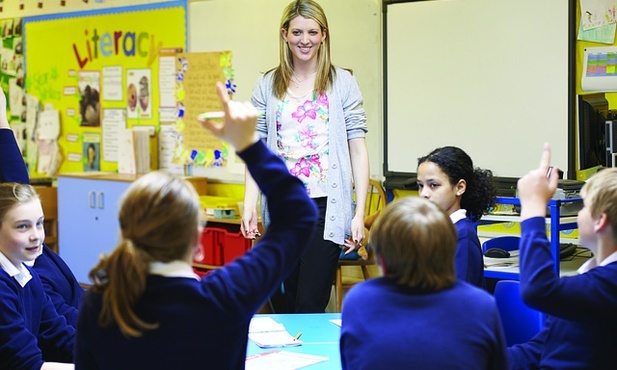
<point>520,322</point>
<point>508,243</point>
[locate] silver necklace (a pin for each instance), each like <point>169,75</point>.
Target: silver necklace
<point>295,80</point>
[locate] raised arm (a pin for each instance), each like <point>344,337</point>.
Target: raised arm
<point>12,166</point>
<point>252,278</point>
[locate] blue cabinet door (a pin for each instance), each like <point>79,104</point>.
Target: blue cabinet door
<point>87,221</point>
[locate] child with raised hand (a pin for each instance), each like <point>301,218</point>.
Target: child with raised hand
<point>581,328</point>
<point>419,315</point>
<point>447,177</point>
<point>33,335</point>
<point>58,280</point>
<point>147,309</point>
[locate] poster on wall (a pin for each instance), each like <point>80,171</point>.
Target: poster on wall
<point>197,74</point>
<point>91,151</point>
<point>90,101</point>
<point>599,69</point>
<point>139,87</point>
<point>110,60</point>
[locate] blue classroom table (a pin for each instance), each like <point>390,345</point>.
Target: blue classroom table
<point>319,336</point>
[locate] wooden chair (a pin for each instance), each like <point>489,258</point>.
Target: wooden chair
<point>49,202</point>
<point>376,200</point>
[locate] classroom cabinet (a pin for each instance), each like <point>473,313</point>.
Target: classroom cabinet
<point>88,217</point>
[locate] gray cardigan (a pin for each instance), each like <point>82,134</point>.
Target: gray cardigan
<point>347,121</point>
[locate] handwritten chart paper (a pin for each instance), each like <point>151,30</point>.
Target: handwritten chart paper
<point>196,77</point>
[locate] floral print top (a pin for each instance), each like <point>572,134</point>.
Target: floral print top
<point>302,139</point>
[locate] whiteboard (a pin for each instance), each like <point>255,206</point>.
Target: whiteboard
<point>489,76</point>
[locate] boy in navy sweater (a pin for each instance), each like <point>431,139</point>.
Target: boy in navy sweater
<point>419,315</point>
<point>581,329</point>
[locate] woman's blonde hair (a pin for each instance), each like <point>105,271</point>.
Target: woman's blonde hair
<point>325,70</point>
<point>159,218</point>
<point>416,242</point>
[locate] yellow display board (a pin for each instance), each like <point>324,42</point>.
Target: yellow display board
<point>101,71</point>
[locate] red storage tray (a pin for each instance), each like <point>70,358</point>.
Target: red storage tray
<point>234,245</point>
<point>211,247</point>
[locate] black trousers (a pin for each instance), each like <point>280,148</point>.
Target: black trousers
<point>307,289</point>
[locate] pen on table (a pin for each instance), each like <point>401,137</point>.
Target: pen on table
<point>218,115</point>
<point>298,335</point>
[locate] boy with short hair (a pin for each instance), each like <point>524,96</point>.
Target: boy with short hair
<point>581,329</point>
<point>418,315</point>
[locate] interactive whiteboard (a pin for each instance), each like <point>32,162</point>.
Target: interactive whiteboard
<point>493,77</point>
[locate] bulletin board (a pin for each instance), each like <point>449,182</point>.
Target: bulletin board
<point>494,77</point>
<point>101,71</point>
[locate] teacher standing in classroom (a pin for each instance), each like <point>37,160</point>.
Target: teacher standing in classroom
<point>312,115</point>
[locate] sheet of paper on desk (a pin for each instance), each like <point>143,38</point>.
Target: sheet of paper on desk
<point>273,339</point>
<point>281,360</point>
<point>267,333</point>
<point>261,324</point>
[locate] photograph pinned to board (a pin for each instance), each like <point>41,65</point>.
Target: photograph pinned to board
<point>89,83</point>
<point>138,93</point>
<point>599,69</point>
<point>91,151</point>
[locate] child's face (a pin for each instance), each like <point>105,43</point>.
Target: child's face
<point>434,185</point>
<point>586,230</point>
<point>22,232</point>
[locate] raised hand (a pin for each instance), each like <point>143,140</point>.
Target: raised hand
<point>240,120</point>
<point>536,189</point>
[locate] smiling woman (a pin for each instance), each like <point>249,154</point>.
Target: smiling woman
<point>312,115</point>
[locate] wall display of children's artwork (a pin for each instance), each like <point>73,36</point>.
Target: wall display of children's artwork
<point>197,74</point>
<point>12,75</point>
<point>97,64</point>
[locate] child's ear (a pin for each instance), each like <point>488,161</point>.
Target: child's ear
<point>601,222</point>
<point>461,187</point>
<point>382,265</point>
